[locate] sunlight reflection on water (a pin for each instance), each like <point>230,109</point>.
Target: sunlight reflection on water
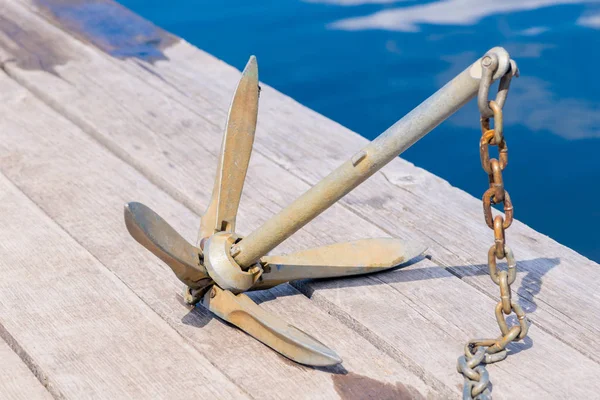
<point>365,63</point>
<point>448,12</point>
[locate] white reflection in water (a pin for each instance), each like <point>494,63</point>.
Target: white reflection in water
<point>527,50</point>
<point>355,2</point>
<point>534,31</point>
<point>590,21</point>
<point>533,104</point>
<point>448,12</point>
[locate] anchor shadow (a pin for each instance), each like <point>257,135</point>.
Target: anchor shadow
<point>530,271</point>
<point>200,317</point>
<point>529,287</point>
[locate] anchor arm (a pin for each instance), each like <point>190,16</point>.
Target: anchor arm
<point>366,162</point>
<point>235,156</point>
<point>340,259</point>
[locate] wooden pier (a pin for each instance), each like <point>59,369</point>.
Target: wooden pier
<point>99,107</point>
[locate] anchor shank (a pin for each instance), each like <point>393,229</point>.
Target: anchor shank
<point>366,162</point>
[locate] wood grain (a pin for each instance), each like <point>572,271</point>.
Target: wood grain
<point>554,283</point>
<point>17,382</point>
<point>86,332</point>
<point>83,187</point>
<point>164,121</point>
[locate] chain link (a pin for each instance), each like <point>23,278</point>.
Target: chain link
<point>479,352</point>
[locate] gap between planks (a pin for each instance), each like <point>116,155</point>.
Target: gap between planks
<point>440,260</point>
<point>76,356</point>
<point>27,359</point>
<point>359,354</point>
<point>20,377</point>
<point>550,319</point>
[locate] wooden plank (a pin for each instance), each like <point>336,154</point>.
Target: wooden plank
<point>86,332</point>
<point>17,382</point>
<point>554,283</point>
<point>84,190</point>
<point>449,222</point>
<point>98,126</point>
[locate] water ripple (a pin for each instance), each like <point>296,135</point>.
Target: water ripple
<point>448,12</point>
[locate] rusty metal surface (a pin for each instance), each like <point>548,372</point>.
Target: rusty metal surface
<point>224,265</point>
<point>479,352</point>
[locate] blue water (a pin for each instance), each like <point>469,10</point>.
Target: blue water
<point>365,63</point>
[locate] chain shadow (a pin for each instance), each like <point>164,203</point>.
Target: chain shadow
<point>517,347</point>
<point>531,283</point>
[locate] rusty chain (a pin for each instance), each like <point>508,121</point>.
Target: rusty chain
<point>479,352</point>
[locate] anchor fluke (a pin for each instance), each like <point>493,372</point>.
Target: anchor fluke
<point>236,148</point>
<point>286,339</point>
<point>156,235</point>
<point>341,259</point>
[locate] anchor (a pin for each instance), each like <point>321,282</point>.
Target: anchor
<point>223,265</point>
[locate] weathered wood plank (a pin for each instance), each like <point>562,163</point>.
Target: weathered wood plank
<point>159,173</point>
<point>555,282</point>
<point>17,382</point>
<point>201,77</point>
<point>83,187</point>
<point>80,325</point>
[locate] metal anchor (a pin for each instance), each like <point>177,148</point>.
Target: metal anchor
<point>223,265</point>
